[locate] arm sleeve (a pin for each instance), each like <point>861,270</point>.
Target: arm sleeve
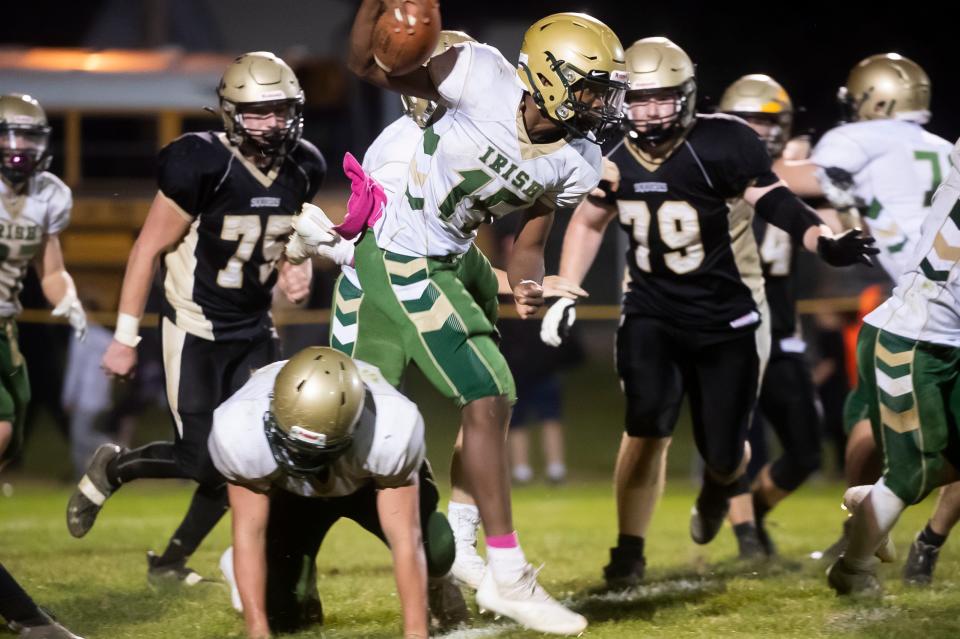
<point>782,208</point>
<point>185,173</point>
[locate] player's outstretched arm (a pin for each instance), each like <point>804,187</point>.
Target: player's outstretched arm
<point>399,512</point>
<point>779,206</point>
<point>250,512</point>
<point>58,286</point>
<point>164,227</point>
<point>360,57</point>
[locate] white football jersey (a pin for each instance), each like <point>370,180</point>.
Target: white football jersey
<point>388,157</point>
<point>477,164</point>
<point>387,448</point>
<point>387,160</point>
<point>896,167</point>
<point>44,209</point>
<point>926,302</point>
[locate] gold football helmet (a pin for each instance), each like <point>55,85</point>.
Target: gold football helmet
<point>317,400</point>
<point>886,86</point>
<point>572,66</point>
<point>765,105</point>
<point>658,70</point>
<point>24,138</point>
<point>420,109</point>
<point>258,85</point>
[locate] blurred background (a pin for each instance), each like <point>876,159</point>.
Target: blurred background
<point>121,78</point>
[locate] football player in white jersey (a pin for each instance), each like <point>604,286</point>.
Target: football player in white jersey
<point>387,160</point>
<point>34,210</point>
<point>510,139</point>
<point>908,362</point>
<point>884,163</point>
<point>327,437</point>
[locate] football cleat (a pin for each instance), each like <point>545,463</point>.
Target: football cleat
<point>527,603</point>
<point>769,547</point>
<point>625,569</point>
<point>706,520</point>
<point>447,606</point>
<point>92,491</point>
<point>921,561</point>
<point>750,547</point>
<point>226,569</point>
<point>468,567</point>
<point>173,573</point>
<point>847,580</point>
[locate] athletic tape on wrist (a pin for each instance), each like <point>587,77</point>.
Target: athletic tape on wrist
<point>128,330</point>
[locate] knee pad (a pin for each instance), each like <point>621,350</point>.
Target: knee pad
<point>438,544</point>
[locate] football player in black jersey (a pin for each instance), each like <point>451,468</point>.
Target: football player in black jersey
<point>787,394</point>
<point>694,306</point>
<point>218,225</point>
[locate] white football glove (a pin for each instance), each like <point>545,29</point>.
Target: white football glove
<point>71,308</point>
<point>557,321</point>
<point>314,235</point>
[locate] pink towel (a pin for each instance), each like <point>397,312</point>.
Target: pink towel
<point>366,202</point>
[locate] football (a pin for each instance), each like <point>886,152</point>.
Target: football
<point>405,37</point>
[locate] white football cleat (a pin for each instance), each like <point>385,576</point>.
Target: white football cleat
<point>468,566</point>
<point>527,603</point>
<point>226,569</point>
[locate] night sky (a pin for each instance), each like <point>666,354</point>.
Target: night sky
<point>808,46</point>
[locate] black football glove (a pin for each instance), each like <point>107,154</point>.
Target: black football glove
<point>846,249</point>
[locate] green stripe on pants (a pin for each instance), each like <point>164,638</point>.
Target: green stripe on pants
<point>432,319</point>
<point>908,385</point>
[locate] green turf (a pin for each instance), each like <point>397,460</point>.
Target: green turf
<point>98,584</point>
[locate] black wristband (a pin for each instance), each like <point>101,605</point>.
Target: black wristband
<point>782,208</point>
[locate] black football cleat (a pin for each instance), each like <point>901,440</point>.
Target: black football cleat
<point>921,561</point>
<point>92,491</point>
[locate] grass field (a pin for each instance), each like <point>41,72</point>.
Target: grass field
<point>98,584</point>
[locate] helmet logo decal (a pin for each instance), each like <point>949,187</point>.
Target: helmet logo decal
<point>308,436</point>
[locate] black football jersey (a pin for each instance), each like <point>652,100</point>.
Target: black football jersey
<point>219,278</point>
<point>693,258</point>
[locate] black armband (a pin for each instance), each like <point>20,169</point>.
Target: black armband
<point>782,208</point>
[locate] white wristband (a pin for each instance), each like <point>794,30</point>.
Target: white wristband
<point>128,329</point>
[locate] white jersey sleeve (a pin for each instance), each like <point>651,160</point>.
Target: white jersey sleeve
<point>394,449</point>
<point>59,202</point>
<point>238,442</point>
<point>469,76</point>
<point>582,176</point>
<point>388,158</point>
<point>842,148</point>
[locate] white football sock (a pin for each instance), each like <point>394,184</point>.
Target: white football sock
<point>507,564</point>
<point>465,521</point>
<point>872,520</point>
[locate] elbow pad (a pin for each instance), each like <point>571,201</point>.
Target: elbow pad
<point>782,208</point>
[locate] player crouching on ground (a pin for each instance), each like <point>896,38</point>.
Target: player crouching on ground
<point>327,437</point>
